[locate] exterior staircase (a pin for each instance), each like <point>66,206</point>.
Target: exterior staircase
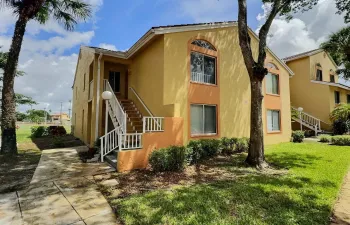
<point>134,117</point>
<point>308,121</point>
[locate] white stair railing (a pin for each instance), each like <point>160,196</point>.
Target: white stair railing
<point>110,142</point>
<point>153,124</point>
<point>308,120</point>
<point>130,141</point>
<point>116,107</point>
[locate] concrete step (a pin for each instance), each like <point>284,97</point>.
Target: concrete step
<point>111,159</point>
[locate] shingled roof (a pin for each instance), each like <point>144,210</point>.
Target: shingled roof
<point>302,55</point>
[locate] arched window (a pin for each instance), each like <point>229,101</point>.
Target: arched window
<point>203,44</point>
<point>203,62</point>
<point>271,66</point>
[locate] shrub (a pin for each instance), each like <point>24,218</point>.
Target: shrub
<point>38,131</point>
<point>242,145</point>
<point>57,130</point>
<point>228,145</point>
<point>172,158</point>
<point>298,136</point>
<point>340,127</point>
<point>343,140</point>
<point>309,133</point>
<point>199,150</point>
<point>58,142</point>
<point>325,138</point>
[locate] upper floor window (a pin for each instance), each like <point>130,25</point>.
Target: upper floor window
<point>272,79</point>
<point>203,68</point>
<point>336,97</point>
<point>319,76</point>
<point>348,99</point>
<point>331,78</point>
<point>203,44</point>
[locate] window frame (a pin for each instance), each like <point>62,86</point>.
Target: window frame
<point>278,84</point>
<point>215,71</point>
<point>330,78</point>
<point>279,121</point>
<point>319,68</point>
<point>348,98</point>
<point>203,111</point>
<point>336,97</point>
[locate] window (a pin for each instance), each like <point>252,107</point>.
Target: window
<point>272,84</point>
<point>203,68</point>
<point>336,97</point>
<point>331,78</point>
<point>203,119</point>
<point>203,44</point>
<point>348,99</point>
<point>273,120</point>
<point>114,80</point>
<point>319,75</point>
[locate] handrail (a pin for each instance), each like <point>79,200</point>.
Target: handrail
<point>305,113</point>
<point>116,107</point>
<point>143,104</point>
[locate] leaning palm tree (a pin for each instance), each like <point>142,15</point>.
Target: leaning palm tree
<point>338,46</point>
<point>67,12</point>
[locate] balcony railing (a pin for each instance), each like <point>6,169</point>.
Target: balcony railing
<point>202,78</point>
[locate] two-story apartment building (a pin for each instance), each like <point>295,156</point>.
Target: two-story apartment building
<point>175,84</point>
<point>315,86</point>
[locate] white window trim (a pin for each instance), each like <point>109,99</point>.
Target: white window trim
<point>215,75</point>
<point>216,123</point>
<point>278,84</point>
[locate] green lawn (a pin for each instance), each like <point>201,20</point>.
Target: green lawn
<point>302,194</point>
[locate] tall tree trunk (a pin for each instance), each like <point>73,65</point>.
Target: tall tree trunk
<point>256,146</point>
<point>8,116</point>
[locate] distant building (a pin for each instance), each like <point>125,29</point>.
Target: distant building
<point>60,118</point>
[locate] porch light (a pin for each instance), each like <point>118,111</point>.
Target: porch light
<point>300,109</point>
<point>107,95</point>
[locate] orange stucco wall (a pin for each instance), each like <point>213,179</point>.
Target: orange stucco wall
<point>138,159</point>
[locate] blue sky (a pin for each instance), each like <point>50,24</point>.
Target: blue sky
<point>49,53</point>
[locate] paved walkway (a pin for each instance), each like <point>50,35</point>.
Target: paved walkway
<point>61,192</point>
<point>341,214</point>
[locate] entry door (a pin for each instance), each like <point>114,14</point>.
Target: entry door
<point>114,80</point>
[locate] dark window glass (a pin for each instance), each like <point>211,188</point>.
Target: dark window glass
<point>203,119</point>
<point>114,81</point>
<point>319,75</point>
<point>336,97</point>
<point>348,99</point>
<point>332,78</point>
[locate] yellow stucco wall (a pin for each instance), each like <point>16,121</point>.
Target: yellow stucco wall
<point>80,96</point>
<point>146,77</point>
<point>316,99</point>
<point>234,83</point>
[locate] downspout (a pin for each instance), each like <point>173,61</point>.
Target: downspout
<point>98,94</point>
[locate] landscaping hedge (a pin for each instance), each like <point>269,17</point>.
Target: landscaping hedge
<point>325,138</point>
<point>342,140</point>
<point>198,150</point>
<point>298,136</point>
<point>38,131</point>
<point>172,158</point>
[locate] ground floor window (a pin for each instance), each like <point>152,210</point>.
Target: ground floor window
<point>273,120</point>
<point>203,119</point>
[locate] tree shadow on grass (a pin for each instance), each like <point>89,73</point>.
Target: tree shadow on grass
<point>51,142</point>
<point>250,200</point>
<point>290,160</point>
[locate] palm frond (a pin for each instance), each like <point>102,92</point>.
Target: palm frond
<point>341,112</point>
<point>67,12</point>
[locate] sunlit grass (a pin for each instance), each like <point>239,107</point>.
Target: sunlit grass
<point>303,195</point>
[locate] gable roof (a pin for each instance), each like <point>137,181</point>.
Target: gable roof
<point>159,30</point>
<point>308,54</point>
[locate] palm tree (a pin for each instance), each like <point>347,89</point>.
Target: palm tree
<point>67,12</point>
<point>341,112</point>
<point>338,46</point>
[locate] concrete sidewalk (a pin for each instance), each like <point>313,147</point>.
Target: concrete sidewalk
<point>62,192</point>
<point>341,212</point>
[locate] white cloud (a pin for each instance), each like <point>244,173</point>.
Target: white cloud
<point>108,46</point>
<point>306,31</point>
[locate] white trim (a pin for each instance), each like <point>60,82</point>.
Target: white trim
<point>98,93</point>
<point>311,54</point>
<point>175,29</point>
<point>331,84</point>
